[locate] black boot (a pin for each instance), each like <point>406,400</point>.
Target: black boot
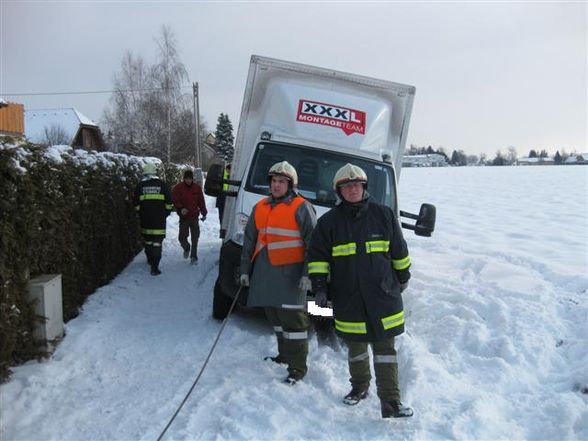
<point>155,270</point>
<point>355,396</point>
<point>277,359</point>
<point>395,409</point>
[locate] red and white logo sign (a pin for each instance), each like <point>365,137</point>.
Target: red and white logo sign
<point>348,120</point>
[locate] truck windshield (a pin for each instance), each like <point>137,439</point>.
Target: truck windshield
<point>316,169</point>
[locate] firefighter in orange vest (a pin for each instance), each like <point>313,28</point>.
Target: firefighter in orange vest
<point>273,265</point>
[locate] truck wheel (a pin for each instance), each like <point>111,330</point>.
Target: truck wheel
<point>220,303</point>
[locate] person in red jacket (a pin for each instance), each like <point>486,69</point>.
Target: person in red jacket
<point>189,203</point>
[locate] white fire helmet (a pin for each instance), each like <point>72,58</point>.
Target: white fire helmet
<point>286,170</point>
<point>349,173</point>
<point>149,169</point>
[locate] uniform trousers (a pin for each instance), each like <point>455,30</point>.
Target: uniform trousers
<point>291,328</point>
<point>153,249</point>
<point>385,367</point>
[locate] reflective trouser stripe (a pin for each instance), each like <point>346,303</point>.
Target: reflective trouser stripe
<point>292,306</point>
<point>153,244</point>
<point>385,359</point>
<point>295,335</point>
<point>359,357</point>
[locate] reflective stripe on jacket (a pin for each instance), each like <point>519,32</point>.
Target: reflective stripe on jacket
<point>278,231</point>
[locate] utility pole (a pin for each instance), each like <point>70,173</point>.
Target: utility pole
<point>197,158</point>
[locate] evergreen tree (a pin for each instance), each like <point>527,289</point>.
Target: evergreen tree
<point>224,137</point>
<point>557,158</point>
<point>499,159</point>
<point>543,154</point>
<point>458,157</point>
<point>532,153</point>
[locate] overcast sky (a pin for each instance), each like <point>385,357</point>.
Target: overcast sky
<point>488,75</point>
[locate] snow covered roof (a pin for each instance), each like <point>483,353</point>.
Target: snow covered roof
<point>36,120</point>
<point>536,160</point>
<point>576,158</point>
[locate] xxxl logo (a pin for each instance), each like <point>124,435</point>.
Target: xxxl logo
<point>348,120</point>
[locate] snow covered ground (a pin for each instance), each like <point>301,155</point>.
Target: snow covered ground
<point>496,344</point>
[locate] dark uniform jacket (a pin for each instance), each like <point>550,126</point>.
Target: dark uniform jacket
<point>153,202</point>
<point>358,255</point>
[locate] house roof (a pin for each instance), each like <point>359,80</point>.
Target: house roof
<point>36,120</point>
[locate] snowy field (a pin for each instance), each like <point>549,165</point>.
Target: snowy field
<point>496,344</point>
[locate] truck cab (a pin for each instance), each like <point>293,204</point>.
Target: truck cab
<point>318,120</point>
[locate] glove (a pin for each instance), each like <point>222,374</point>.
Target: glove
<point>320,299</point>
<point>203,218</point>
<point>305,284</point>
<point>244,280</point>
<point>184,211</point>
<point>403,286</point>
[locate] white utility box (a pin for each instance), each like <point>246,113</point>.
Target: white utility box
<point>45,296</point>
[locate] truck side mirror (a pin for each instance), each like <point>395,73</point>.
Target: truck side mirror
<point>213,186</point>
<point>425,224</point>
<point>425,220</point>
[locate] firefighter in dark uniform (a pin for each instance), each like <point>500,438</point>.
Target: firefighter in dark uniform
<point>153,204</point>
<point>359,259</point>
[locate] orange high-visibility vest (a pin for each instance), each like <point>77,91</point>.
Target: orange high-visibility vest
<point>278,230</point>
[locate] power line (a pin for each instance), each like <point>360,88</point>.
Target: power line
<point>87,92</point>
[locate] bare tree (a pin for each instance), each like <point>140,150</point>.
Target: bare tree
<point>170,74</point>
<point>511,156</point>
<point>55,135</point>
<point>149,114</point>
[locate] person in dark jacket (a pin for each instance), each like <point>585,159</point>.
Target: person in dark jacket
<point>189,202</point>
<point>220,200</point>
<point>153,203</point>
<point>359,258</point>
<point>276,237</point>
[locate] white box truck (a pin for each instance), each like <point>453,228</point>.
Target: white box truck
<point>318,120</point>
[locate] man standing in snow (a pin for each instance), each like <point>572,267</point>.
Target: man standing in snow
<point>189,202</point>
<point>276,237</point>
<point>359,258</point>
<point>153,203</point>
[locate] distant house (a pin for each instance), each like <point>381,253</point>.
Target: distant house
<point>535,161</point>
<point>11,118</point>
<point>431,160</point>
<point>65,126</point>
<point>580,158</point>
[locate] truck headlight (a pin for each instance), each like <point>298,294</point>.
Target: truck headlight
<point>239,231</point>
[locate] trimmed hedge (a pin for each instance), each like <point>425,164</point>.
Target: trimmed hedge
<point>67,212</point>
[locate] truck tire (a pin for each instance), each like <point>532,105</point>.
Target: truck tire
<point>220,303</point>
